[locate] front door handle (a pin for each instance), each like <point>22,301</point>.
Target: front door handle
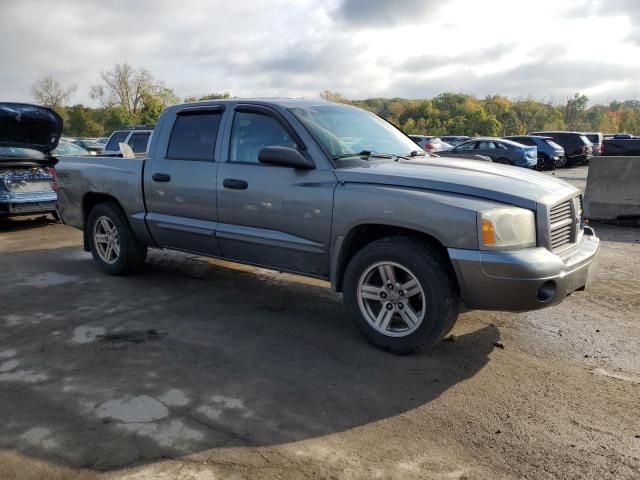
<point>161,177</point>
<point>235,184</point>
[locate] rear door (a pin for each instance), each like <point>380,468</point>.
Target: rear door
<point>268,215</point>
<point>180,182</point>
<point>485,147</point>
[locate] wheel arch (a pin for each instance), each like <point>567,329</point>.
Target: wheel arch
<point>362,235</point>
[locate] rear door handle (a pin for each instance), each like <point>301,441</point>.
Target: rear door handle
<point>161,177</point>
<point>235,184</point>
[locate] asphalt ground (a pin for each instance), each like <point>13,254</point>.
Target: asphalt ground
<point>197,368</point>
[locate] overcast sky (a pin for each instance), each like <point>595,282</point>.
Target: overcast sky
<point>361,48</point>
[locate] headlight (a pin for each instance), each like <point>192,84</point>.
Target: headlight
<point>507,228</point>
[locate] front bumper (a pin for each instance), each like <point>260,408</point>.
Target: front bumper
<point>524,280</point>
<point>27,203</point>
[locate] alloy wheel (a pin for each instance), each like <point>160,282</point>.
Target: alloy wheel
<point>391,299</point>
<point>106,240</point>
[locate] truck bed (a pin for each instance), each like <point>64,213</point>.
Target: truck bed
<point>84,177</point>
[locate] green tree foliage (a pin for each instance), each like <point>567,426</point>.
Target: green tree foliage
<point>82,122</point>
<point>459,114</point>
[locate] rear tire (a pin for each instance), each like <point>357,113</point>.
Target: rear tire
<point>112,243</point>
<point>415,310</point>
<point>545,163</point>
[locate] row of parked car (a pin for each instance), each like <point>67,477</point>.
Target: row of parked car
<point>539,150</point>
<point>136,137</point>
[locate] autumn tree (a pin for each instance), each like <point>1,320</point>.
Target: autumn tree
<point>211,96</point>
<point>50,93</point>
<point>127,87</point>
<point>330,96</point>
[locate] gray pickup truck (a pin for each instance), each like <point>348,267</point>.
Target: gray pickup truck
<point>334,192</point>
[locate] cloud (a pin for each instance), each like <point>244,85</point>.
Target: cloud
<point>383,13</point>
<point>541,79</point>
<point>301,47</point>
<point>471,57</point>
<point>610,8</point>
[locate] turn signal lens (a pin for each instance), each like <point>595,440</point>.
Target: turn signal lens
<point>488,234</point>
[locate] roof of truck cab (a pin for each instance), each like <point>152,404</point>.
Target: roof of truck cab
<point>281,102</point>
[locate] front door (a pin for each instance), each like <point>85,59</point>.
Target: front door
<point>181,183</point>
<point>273,216</point>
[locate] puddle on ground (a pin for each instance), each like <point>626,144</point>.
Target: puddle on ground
<point>49,279</point>
<point>119,339</point>
<point>142,409</point>
<point>85,334</point>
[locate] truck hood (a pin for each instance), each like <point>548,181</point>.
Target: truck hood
<point>29,126</point>
<point>501,183</point>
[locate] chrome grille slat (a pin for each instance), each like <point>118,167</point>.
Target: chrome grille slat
<point>562,228</point>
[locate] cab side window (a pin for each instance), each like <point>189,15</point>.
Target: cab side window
<point>251,132</point>
<point>115,139</point>
<point>138,142</point>
<point>194,136</point>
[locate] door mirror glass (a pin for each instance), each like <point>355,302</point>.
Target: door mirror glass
<point>284,157</point>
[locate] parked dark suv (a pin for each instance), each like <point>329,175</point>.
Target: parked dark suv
<point>577,148</point>
<point>550,154</point>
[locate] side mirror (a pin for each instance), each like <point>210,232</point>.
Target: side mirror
<point>285,157</point>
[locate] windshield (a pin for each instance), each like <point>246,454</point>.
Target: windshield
<point>68,148</point>
<point>15,152</point>
<point>349,134</point>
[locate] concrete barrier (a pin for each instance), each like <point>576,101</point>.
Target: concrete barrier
<point>613,188</point>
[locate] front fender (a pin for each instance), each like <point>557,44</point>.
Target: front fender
<point>449,218</point>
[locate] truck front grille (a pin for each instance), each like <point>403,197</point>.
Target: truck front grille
<point>562,230</point>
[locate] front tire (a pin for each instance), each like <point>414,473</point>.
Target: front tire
<point>402,294</point>
<point>112,242</point>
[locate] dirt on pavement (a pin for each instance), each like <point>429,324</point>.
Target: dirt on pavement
<point>198,369</point>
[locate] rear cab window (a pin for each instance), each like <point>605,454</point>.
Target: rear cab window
<point>139,141</point>
<point>116,138</point>
<point>194,136</point>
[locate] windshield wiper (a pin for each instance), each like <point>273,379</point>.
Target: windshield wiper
<point>411,155</point>
<point>365,153</point>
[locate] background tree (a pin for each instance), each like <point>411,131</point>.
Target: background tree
<point>81,122</point>
<point>131,96</point>
<point>125,86</point>
<point>211,96</point>
<point>333,96</point>
<point>50,93</point>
